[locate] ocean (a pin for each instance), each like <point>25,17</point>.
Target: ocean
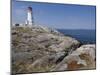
<point>84,36</point>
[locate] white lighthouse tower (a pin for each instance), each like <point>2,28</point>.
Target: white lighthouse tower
<point>29,21</point>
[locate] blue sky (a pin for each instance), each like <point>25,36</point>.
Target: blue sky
<point>61,16</point>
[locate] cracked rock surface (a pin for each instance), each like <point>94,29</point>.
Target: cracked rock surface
<point>39,49</point>
<point>82,58</point>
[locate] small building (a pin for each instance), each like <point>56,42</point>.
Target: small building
<point>17,24</point>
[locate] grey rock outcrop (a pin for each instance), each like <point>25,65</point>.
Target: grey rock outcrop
<point>41,49</point>
<point>81,58</point>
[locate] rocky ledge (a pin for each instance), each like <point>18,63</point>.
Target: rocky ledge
<point>41,49</point>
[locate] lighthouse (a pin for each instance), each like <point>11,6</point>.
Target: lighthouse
<point>29,21</point>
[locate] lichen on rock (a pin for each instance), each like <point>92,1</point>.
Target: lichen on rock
<point>39,49</point>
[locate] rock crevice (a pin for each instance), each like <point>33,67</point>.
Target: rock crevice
<point>39,49</point>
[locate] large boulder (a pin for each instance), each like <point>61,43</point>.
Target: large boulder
<point>39,49</point>
<point>82,58</point>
